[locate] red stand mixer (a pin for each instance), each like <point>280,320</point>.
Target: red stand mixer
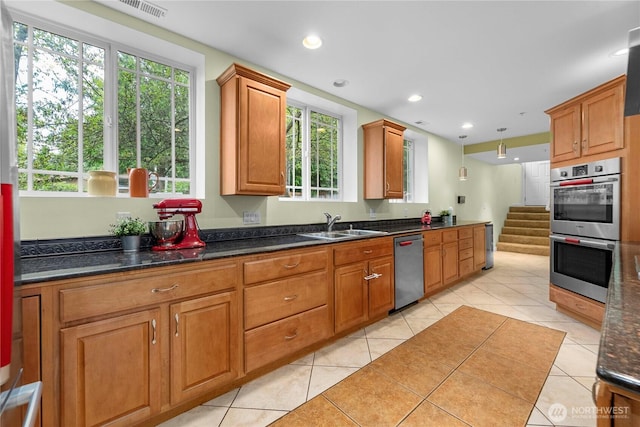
<point>167,208</point>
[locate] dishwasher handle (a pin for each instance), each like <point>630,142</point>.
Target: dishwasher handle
<point>406,243</point>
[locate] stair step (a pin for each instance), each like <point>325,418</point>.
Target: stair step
<point>535,216</point>
<point>523,249</point>
<point>525,240</point>
<point>526,231</point>
<point>526,223</point>
<point>528,209</point>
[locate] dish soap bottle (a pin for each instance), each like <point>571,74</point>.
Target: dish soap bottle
<point>450,216</point>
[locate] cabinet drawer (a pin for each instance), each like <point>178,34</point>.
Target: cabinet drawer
<point>109,296</point>
<point>577,303</point>
<point>277,300</point>
<point>465,233</point>
<point>465,244</point>
<point>465,253</point>
<point>355,252</point>
<point>276,340</point>
<point>285,265</point>
<point>432,238</point>
<point>465,267</point>
<point>449,236</point>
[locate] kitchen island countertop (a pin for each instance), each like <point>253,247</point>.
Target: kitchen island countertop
<point>55,267</point>
<point>619,352</point>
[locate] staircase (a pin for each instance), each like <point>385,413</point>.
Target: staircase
<point>526,230</point>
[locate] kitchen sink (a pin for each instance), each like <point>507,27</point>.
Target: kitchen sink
<point>342,234</point>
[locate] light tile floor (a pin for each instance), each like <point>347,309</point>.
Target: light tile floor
<point>517,286</point>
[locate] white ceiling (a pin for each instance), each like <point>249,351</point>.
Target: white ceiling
<point>492,63</point>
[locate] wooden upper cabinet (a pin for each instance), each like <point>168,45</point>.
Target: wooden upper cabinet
<point>252,132</point>
<point>589,124</point>
<point>383,160</point>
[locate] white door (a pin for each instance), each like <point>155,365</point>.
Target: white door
<point>536,183</point>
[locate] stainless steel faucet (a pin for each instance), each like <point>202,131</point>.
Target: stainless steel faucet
<point>331,221</point>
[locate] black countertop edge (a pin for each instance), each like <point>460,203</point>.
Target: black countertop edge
<point>43,268</point>
<point>619,351</point>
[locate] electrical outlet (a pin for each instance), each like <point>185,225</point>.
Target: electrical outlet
<point>250,217</point>
<point>372,213</point>
<point>123,215</point>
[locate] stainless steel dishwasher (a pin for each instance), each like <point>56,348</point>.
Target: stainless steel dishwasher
<point>409,274</point>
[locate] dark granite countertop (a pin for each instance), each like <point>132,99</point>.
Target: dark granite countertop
<point>72,259</point>
<point>619,353</point>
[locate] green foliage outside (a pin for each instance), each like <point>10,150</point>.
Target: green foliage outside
<point>68,114</point>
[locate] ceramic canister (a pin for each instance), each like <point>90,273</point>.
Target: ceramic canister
<point>102,183</point>
<point>139,182</point>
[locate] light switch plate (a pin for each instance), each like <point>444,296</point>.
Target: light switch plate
<point>250,217</point>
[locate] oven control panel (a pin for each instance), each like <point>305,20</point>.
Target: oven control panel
<point>587,170</point>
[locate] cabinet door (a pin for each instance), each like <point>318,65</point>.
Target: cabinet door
<point>432,269</point>
<point>393,164</point>
<point>351,296</point>
<point>603,122</point>
<point>111,370</point>
<point>479,253</point>
<point>449,262</point>
<point>565,128</point>
<point>204,344</point>
<point>261,128</point>
<point>381,289</point>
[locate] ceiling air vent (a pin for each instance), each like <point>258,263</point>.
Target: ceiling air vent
<point>146,7</point>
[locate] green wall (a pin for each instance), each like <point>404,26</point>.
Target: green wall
<point>489,191</point>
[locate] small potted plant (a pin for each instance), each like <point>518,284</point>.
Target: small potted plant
<point>129,230</point>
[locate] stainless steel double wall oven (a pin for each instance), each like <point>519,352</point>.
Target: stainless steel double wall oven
<point>585,226</point>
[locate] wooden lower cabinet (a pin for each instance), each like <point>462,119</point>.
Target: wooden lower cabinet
<point>449,262</point>
<point>479,249</point>
<point>111,370</point>
<point>204,348</point>
<point>616,407</point>
<point>577,306</point>
<point>363,290</point>
<point>432,261</point>
<point>286,304</point>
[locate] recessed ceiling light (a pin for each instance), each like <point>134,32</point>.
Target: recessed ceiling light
<point>515,159</point>
<point>312,41</point>
<point>340,83</point>
<point>467,125</point>
<point>415,98</point>
<point>621,52</point>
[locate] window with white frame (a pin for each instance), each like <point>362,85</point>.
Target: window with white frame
<point>313,153</point>
<point>85,104</point>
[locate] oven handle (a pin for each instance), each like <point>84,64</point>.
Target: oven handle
<point>583,242</point>
<point>584,181</point>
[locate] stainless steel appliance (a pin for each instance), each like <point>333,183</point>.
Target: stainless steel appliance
<point>582,265</point>
<point>585,226</point>
<point>409,273</point>
<point>488,246</point>
<point>585,199</point>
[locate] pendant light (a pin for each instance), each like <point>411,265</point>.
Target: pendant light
<point>462,173</point>
<point>502,147</point>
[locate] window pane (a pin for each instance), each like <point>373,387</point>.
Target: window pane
<point>127,121</point>
<point>55,42</point>
<point>181,131</point>
<point>323,155</point>
<point>182,77</point>
<point>126,61</point>
<point>93,113</point>
<point>154,68</point>
<point>155,129</point>
<point>294,151</point>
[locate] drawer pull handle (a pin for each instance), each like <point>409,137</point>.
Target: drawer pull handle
<point>367,252</point>
<point>290,266</point>
<point>290,337</point>
<point>291,297</point>
<point>153,326</point>
<point>157,290</point>
<point>372,276</point>
<point>177,323</point>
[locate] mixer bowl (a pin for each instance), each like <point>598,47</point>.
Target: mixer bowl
<point>166,233</point>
